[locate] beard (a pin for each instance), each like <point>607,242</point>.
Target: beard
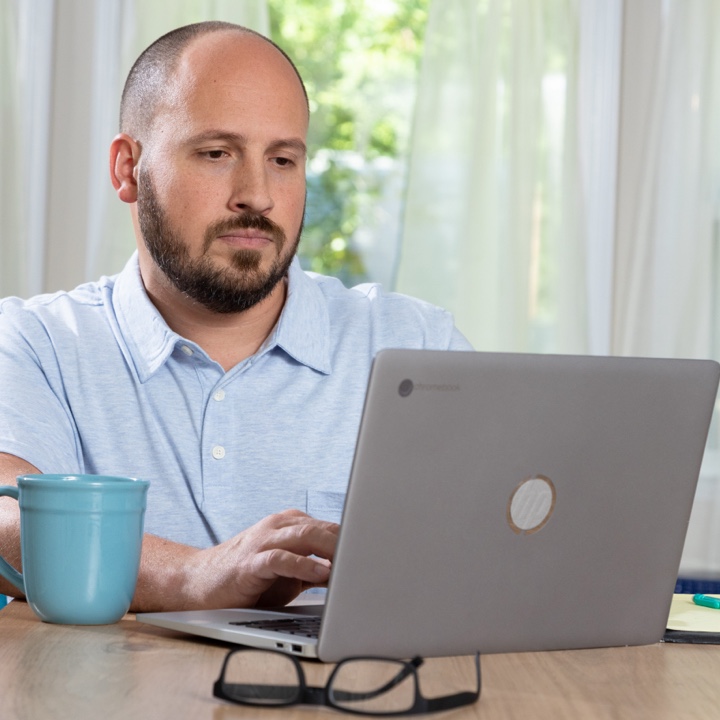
<point>233,289</point>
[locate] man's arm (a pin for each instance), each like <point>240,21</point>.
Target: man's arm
<point>267,564</point>
<point>10,468</point>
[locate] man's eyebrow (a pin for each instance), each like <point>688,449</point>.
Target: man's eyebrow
<point>291,143</point>
<point>210,135</point>
<point>237,139</point>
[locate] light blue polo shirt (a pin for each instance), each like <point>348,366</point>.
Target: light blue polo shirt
<point>94,381</point>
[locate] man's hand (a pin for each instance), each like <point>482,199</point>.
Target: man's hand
<point>267,564</point>
<point>10,468</point>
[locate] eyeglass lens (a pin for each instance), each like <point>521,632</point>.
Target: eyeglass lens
<point>261,678</point>
<point>373,686</point>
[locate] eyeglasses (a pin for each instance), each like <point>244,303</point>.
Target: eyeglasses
<point>362,685</point>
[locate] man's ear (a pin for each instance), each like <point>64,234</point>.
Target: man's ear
<point>124,157</point>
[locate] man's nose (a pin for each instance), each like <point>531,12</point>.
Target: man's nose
<point>251,191</point>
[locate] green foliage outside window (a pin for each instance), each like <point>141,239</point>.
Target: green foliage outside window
<point>359,60</point>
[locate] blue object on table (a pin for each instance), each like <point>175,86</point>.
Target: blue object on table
<point>706,601</point>
<point>690,586</point>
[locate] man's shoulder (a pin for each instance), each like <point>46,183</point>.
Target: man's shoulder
<point>390,318</point>
<point>373,298</point>
<point>62,308</point>
<point>87,294</point>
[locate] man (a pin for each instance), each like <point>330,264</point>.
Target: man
<point>212,365</point>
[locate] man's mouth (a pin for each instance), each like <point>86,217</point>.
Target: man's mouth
<point>251,239</point>
<point>246,233</point>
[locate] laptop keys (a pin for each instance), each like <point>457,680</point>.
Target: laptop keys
<point>303,626</point>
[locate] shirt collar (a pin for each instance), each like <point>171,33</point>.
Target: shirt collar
<point>302,330</point>
<point>149,339</point>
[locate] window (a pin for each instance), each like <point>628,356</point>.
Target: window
<point>359,60</point>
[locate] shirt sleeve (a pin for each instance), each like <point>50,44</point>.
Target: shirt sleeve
<point>458,341</point>
<point>35,424</point>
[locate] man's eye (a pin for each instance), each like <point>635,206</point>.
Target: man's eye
<point>214,154</point>
<point>283,161</point>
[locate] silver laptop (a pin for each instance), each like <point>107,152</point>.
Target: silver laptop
<point>502,503</point>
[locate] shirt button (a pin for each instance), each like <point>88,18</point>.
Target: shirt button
<point>187,350</point>
<point>218,452</point>
<point>219,395</point>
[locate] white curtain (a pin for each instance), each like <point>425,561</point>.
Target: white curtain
<point>26,32</point>
<point>62,67</point>
<point>494,217</point>
<point>513,219</point>
<point>601,31</point>
<point>666,284</point>
<point>667,279</point>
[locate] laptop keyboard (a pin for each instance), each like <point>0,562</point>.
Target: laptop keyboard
<point>303,626</point>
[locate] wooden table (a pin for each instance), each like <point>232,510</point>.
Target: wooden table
<point>138,672</point>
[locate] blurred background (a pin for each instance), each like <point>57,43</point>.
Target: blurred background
<point>548,170</point>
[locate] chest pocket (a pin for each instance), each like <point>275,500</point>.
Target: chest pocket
<point>325,504</point>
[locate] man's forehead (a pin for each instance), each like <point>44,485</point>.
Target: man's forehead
<point>234,58</point>
<point>219,80</point>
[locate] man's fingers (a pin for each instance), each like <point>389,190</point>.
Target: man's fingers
<point>289,518</point>
<point>278,563</point>
<point>303,537</point>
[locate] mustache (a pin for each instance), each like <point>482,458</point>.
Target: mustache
<point>246,221</point>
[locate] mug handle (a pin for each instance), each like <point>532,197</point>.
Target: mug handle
<point>6,569</point>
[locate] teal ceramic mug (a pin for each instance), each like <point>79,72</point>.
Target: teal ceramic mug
<point>80,540</point>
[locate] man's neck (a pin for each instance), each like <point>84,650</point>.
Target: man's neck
<point>227,338</point>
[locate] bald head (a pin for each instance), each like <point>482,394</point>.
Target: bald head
<point>149,82</point>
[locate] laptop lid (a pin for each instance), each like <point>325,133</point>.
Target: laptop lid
<point>505,502</point>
